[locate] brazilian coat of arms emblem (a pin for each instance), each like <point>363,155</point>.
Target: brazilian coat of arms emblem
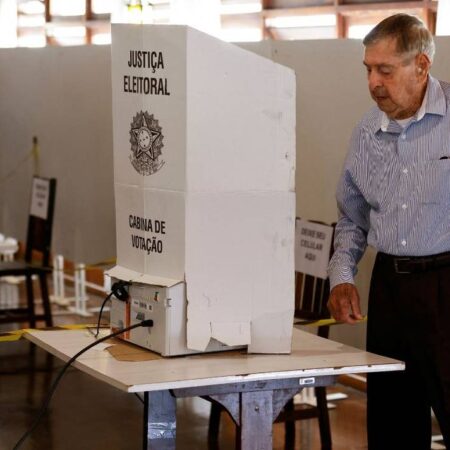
<point>146,140</point>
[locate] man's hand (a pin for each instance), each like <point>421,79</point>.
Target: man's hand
<point>343,303</point>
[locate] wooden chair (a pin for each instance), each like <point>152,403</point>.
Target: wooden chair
<point>39,236</point>
<point>311,300</point>
<point>311,296</point>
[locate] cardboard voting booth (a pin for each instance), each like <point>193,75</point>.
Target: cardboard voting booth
<point>204,171</point>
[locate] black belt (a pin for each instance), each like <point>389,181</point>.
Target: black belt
<point>416,264</point>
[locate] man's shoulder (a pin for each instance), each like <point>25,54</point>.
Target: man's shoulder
<point>370,121</point>
<point>445,86</point>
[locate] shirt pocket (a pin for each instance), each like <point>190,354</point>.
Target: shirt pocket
<point>434,185</point>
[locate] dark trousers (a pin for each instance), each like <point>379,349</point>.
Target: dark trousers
<point>409,319</point>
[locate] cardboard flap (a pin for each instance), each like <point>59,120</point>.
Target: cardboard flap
<point>231,333</point>
<point>250,287</point>
<point>228,333</point>
<point>265,342</point>
<point>198,334</point>
<point>125,274</point>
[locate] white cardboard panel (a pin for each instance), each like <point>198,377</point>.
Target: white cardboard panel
<point>164,110</point>
<point>219,114</point>
<point>129,201</point>
<point>157,248</point>
<point>169,208</point>
<point>240,115</point>
<point>122,273</point>
<point>235,333</point>
<point>240,268</point>
<point>265,341</point>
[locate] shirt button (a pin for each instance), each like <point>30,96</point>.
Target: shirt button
<point>403,242</point>
<point>405,170</point>
<point>403,136</point>
<point>404,206</point>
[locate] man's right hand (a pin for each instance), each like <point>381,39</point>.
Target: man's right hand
<point>344,304</point>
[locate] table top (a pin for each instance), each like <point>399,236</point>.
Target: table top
<point>311,356</point>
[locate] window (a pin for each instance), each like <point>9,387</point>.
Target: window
<point>36,23</point>
<point>359,25</point>
<point>31,24</point>
<point>66,8</point>
<point>312,26</point>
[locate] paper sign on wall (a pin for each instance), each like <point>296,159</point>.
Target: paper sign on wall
<point>39,198</point>
<point>312,248</point>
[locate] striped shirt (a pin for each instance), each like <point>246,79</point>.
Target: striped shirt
<point>394,191</point>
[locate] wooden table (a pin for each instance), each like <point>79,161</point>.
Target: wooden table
<point>253,388</point>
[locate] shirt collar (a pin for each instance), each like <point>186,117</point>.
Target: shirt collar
<point>433,103</point>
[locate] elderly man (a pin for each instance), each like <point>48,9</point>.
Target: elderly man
<point>394,194</point>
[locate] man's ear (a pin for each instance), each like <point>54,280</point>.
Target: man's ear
<point>423,64</point>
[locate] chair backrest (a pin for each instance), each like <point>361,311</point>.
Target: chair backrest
<point>311,296</point>
<point>40,220</point>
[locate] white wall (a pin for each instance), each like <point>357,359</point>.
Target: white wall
<point>63,96</point>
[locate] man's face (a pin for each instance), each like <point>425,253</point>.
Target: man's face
<point>396,83</point>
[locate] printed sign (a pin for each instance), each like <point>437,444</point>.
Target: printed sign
<point>146,136</point>
<point>312,248</point>
<point>147,225</point>
<point>39,198</point>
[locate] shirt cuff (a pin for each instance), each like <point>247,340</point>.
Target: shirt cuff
<point>342,275</point>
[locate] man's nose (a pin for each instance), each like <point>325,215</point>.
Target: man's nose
<point>374,79</point>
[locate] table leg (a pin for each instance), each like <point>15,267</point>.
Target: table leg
<point>160,420</point>
<point>254,405</point>
<point>256,420</point>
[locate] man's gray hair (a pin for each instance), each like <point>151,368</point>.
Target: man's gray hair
<point>411,34</point>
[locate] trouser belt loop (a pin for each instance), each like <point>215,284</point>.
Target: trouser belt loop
<point>399,265</point>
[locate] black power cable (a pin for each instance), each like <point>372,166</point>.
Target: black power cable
<point>108,297</point>
<point>42,411</point>
<point>119,291</point>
